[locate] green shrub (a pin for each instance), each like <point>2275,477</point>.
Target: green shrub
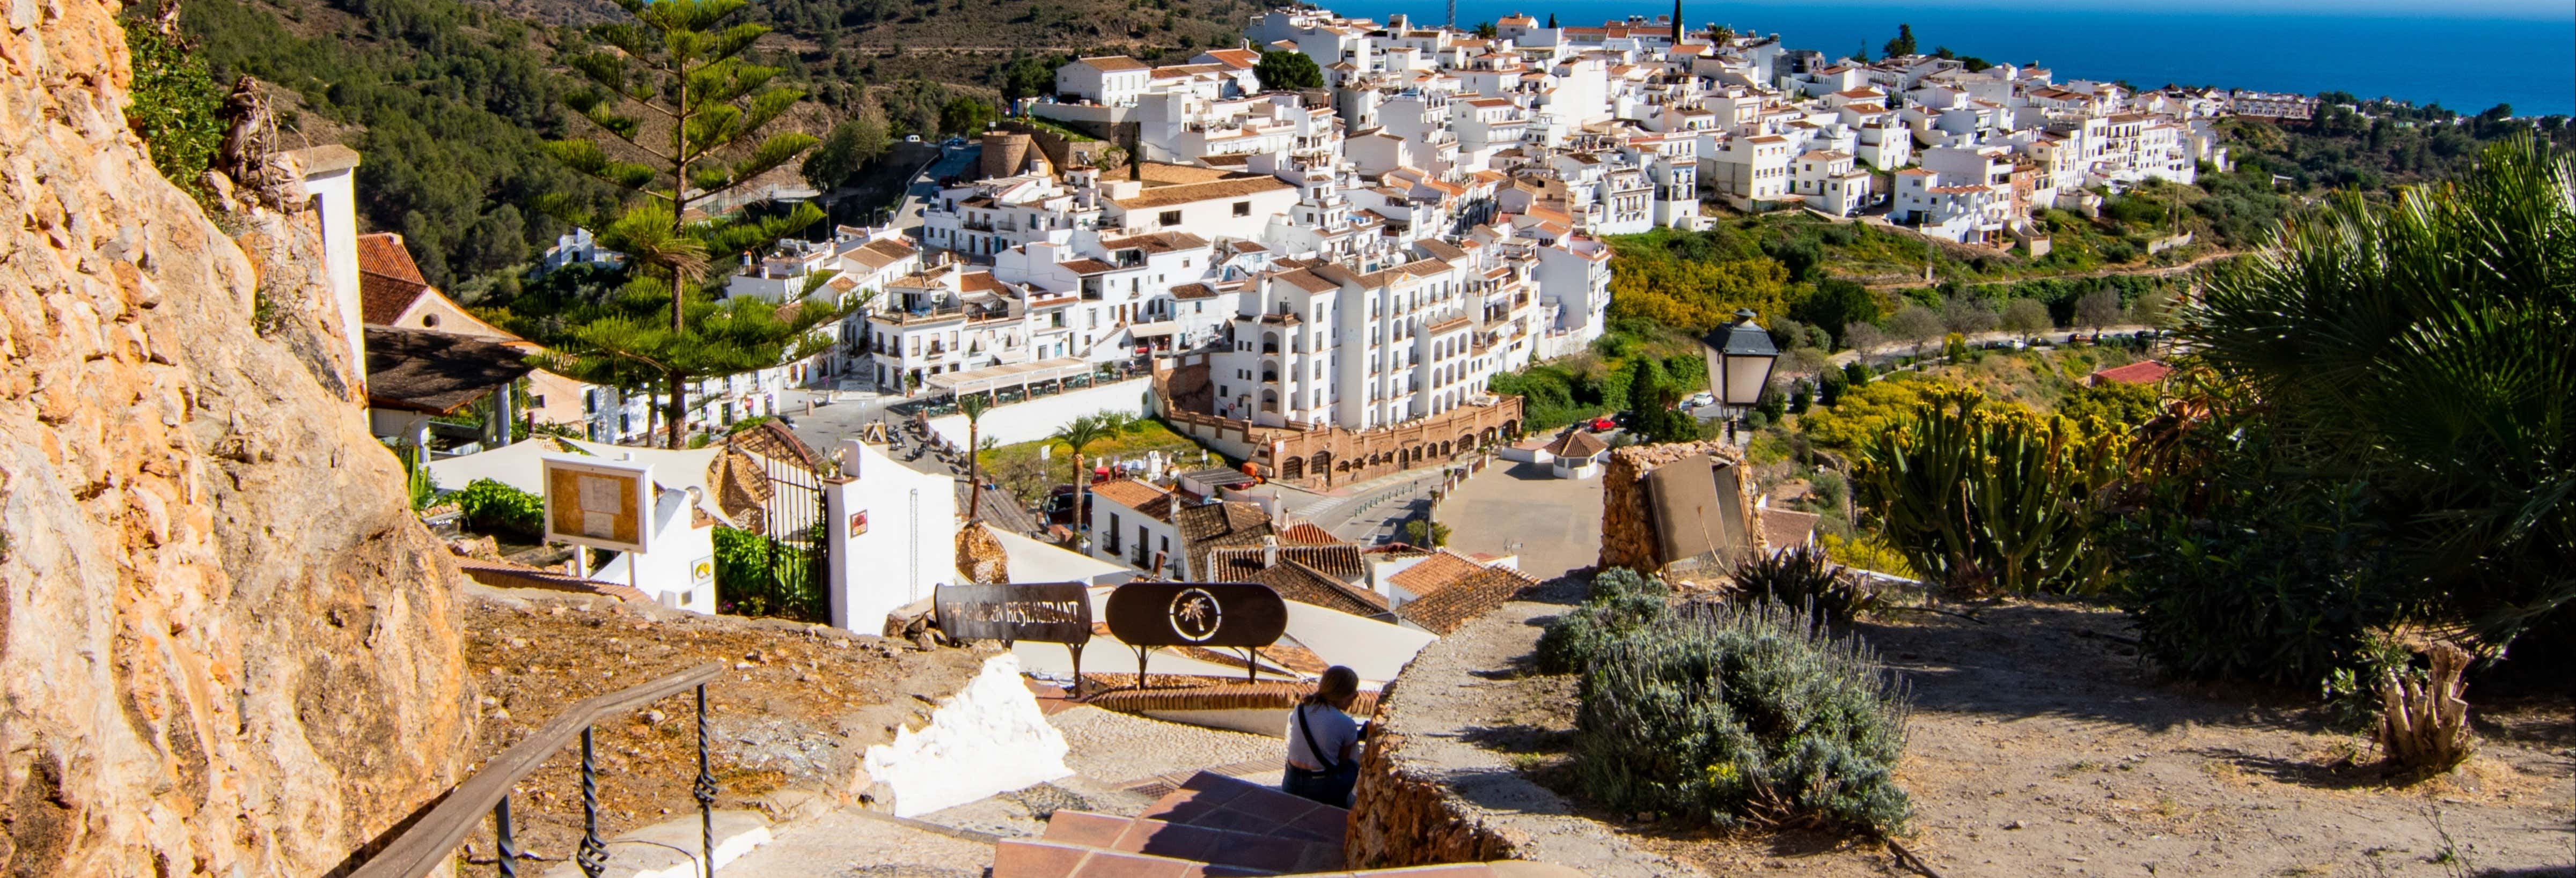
<point>1741,715</point>
<point>492,506</point>
<point>1802,576</point>
<point>177,108</point>
<point>2282,593</point>
<point>1621,601</point>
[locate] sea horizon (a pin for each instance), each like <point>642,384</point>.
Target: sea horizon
<point>2487,53</point>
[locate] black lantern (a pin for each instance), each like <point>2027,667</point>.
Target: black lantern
<point>1740,355</point>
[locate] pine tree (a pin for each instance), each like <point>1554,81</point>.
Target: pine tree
<point>673,86</point>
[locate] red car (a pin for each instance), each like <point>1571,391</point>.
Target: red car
<point>1603,425</point>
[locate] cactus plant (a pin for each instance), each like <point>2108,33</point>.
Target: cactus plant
<point>1991,497</point>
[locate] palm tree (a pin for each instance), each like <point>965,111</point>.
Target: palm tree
<point>1081,434</point>
<point>2421,349</point>
<point>973,407</point>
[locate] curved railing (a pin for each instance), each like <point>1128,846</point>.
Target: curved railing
<point>430,841</point>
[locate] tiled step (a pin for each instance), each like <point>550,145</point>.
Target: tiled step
<point>1016,858</point>
<point>1220,802</point>
<point>1221,847</point>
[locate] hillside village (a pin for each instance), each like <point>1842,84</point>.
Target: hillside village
<point>1196,366</point>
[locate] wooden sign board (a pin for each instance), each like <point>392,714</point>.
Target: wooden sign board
<point>601,504</point>
<point>1040,612</point>
<point>1209,614</point>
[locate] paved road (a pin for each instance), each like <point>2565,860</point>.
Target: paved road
<point>1553,524</point>
<point>925,185</point>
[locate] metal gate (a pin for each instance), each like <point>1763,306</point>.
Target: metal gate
<point>771,484</point>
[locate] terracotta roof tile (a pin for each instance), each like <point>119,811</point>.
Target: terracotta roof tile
<point>382,298</point>
<point>1129,493</point>
<point>1428,576</point>
<point>383,253</point>
<point>1461,603</point>
<point>1229,524</point>
<point>1306,533</point>
<point>1782,528</point>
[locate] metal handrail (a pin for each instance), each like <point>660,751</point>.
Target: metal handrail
<point>427,843</point>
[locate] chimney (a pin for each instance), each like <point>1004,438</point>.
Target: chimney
<point>1269,551</point>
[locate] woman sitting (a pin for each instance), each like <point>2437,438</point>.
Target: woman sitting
<point>1324,741</point>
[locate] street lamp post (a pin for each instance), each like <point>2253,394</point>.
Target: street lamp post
<point>1740,356</point>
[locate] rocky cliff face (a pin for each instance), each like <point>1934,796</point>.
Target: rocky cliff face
<point>225,646</point>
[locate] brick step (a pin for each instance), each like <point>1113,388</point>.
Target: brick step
<point>1216,801</point>
<point>1020,858</point>
<point>1221,847</point>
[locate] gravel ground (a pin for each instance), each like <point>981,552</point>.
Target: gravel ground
<point>845,842</point>
<point>1117,747</point>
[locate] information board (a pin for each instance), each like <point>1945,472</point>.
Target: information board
<point>601,504</point>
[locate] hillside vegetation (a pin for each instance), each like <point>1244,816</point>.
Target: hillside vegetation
<point>449,100</point>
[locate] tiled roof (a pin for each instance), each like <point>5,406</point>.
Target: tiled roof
<point>1782,528</point>
<point>1129,493</point>
<point>1429,575</point>
<point>1306,585</point>
<point>1185,193</point>
<point>1231,524</point>
<point>1461,603</point>
<point>2141,372</point>
<point>1576,444</point>
<point>1307,534</point>
<point>1305,280</point>
<point>382,298</point>
<point>1114,63</point>
<point>383,253</point>
<point>1157,242</point>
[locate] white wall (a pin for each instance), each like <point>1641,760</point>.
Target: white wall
<point>678,545</point>
<point>335,198</point>
<point>911,541</point>
<point>990,738</point>
<point>1034,420</point>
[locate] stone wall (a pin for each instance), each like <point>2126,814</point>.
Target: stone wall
<point>1440,780</point>
<point>1404,819</point>
<point>1627,524</point>
<point>226,645</point>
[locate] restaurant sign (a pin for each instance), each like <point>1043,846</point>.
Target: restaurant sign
<point>1041,612</point>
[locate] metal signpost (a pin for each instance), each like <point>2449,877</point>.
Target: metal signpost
<point>1240,615</point>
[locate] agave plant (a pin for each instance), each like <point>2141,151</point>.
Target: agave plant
<point>1988,497</point>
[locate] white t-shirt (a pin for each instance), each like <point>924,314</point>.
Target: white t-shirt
<point>1333,730</point>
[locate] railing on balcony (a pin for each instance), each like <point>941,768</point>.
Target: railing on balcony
<point>432,841</point>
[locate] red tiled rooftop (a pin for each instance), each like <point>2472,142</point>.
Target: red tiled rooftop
<point>2142,372</point>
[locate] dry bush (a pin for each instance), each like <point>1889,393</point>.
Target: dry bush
<point>2423,724</point>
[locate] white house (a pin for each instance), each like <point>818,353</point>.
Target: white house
<point>1109,80</point>
<point>1131,522</point>
<point>1828,182</point>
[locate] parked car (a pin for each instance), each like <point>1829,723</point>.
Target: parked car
<point>1702,398</point>
<point>1602,425</point>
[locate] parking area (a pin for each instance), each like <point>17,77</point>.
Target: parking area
<point>1553,524</point>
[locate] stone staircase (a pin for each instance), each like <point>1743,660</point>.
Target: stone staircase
<point>1211,826</point>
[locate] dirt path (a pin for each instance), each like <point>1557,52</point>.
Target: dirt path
<point>2037,748</point>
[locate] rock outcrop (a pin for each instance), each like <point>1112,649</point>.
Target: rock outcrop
<point>1627,519</point>
<point>226,647</point>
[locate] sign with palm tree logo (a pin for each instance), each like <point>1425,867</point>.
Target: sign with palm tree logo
<point>1208,614</point>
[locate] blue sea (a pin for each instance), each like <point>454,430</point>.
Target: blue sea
<point>2467,56</point>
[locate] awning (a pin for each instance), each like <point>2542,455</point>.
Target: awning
<point>1160,327</point>
<point>989,378</point>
